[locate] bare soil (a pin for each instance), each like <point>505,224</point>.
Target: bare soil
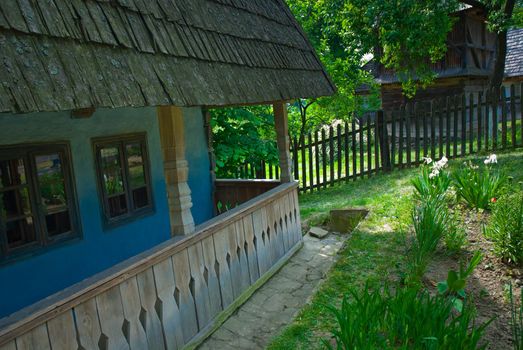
<point>487,287</point>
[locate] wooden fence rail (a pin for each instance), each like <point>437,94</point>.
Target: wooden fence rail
<point>453,126</point>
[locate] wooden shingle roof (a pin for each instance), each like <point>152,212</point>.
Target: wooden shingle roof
<point>72,54</point>
<point>514,61</point>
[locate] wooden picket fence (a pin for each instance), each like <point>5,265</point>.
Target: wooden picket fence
<point>453,126</point>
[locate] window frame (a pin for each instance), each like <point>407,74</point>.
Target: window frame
<point>43,241</point>
<point>121,141</point>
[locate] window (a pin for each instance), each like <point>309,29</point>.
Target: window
<point>37,206</point>
<point>123,175</point>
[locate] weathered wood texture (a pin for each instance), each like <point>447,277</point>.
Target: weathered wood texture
<point>168,296</point>
<point>74,54</point>
<point>229,194</point>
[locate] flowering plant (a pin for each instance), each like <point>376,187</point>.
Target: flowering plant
<point>479,186</point>
<point>434,180</point>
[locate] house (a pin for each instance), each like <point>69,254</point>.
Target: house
<point>465,69</point>
<point>107,231</point>
<point>514,60</point>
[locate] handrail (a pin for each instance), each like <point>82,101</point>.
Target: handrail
<point>49,308</point>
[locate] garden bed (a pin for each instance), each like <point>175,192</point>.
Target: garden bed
<point>377,254</point>
<point>488,287</point>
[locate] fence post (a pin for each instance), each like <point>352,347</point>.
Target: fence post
<point>384,141</point>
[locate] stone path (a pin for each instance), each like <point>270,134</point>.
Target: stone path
<point>275,305</point>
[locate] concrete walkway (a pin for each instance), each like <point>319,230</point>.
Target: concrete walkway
<point>275,305</point>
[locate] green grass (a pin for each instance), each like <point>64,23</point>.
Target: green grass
<point>376,251</point>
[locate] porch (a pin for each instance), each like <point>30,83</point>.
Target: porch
<point>176,293</point>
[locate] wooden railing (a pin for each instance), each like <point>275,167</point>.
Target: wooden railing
<point>172,295</point>
<point>229,194</point>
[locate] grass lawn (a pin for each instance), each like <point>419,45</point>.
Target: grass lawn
<point>375,252</point>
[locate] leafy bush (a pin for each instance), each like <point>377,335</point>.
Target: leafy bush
<point>404,319</point>
<point>455,238</point>
<point>506,228</point>
<point>432,182</point>
<point>432,221</point>
<point>479,186</point>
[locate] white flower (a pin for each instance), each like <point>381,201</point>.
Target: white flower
<point>427,160</point>
<point>492,159</point>
<point>434,174</point>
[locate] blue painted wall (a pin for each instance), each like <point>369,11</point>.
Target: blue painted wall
<point>197,155</point>
<point>39,276</point>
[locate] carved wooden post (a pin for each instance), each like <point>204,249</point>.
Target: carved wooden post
<point>282,134</point>
<point>176,170</point>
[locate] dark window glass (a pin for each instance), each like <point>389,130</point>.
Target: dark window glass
<point>35,197</point>
<point>123,175</point>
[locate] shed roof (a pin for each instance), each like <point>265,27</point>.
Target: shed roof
<point>72,54</point>
<point>514,61</point>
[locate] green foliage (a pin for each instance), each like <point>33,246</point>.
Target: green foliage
<point>427,186</point>
<point>478,186</point>
<point>404,319</point>
<point>456,238</point>
<point>454,286</point>
<point>506,228</point>
<point>516,322</point>
<point>243,135</point>
<point>431,221</point>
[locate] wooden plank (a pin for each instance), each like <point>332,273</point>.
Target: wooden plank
<point>295,159</point>
<point>480,121</point>
<point>272,232</point>
<point>331,155</point>
<point>324,157</point>
<point>369,146</point>
<point>495,106</point>
<point>184,294</point>
<point>252,254</point>
<point>513,116</point>
<point>317,158</point>
<point>346,150</point>
<point>471,123</point>
<point>167,308</point>
<point>417,145</point>
<point>110,311</point>
<point>241,256</point>
<point>488,98</point>
<point>433,115</point>
<point>38,338</point>
<point>259,219</point>
<point>463,125</point>
<point>440,115</point>
<point>223,258</point>
<point>408,126</point>
<point>149,317</point>
<point>211,277</point>
<point>87,324</point>
<point>425,121</point>
<point>201,290</point>
<point>455,133</point>
<point>62,332</point>
<point>401,136</point>
<point>296,216</point>
<point>448,116</point>
<point>303,177</point>
<point>376,143</point>
<point>504,118</point>
<point>354,153</point>
<point>132,308</point>
<point>393,115</point>
<point>339,149</point>
<point>311,162</point>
